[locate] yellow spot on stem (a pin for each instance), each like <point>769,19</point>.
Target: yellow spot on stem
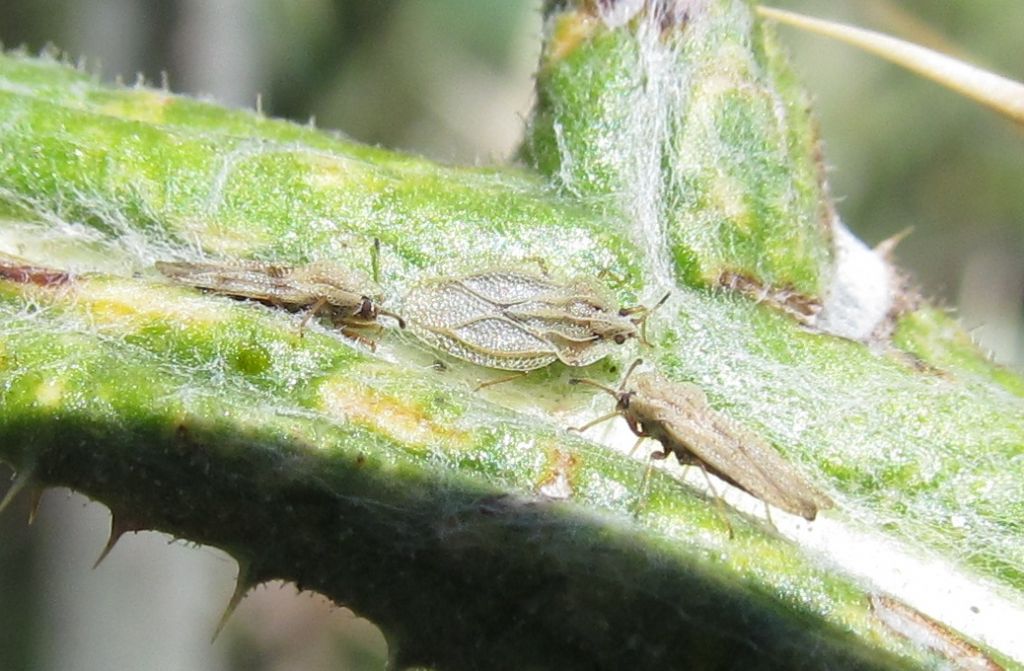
<point>116,303</point>
<point>557,477</point>
<point>224,239</point>
<point>571,29</point>
<point>387,414</point>
<point>50,392</point>
<point>334,172</point>
<point>727,194</point>
<point>144,105</point>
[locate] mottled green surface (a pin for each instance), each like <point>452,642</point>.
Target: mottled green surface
<point>700,127</point>
<point>264,195</point>
<point>930,455</point>
<point>391,487</point>
<point>317,452</point>
<point>938,340</point>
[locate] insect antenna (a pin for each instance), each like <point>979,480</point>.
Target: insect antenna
<point>605,388</point>
<point>613,392</point>
<point>389,313</point>
<point>592,383</point>
<point>501,380</point>
<point>644,313</point>
<point>317,306</point>
<point>629,371</point>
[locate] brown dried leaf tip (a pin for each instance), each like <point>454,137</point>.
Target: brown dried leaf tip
<point>557,482</point>
<point>800,306</point>
<point>41,277</point>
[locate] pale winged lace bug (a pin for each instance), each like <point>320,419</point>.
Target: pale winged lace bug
<point>520,321</point>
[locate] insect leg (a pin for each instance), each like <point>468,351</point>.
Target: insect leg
<point>644,313</point>
<point>719,504</point>
<point>645,483</point>
<point>500,380</point>
<point>352,335</point>
<point>636,446</point>
<point>607,273</point>
<point>595,422</point>
<point>541,264</point>
<point>320,303</point>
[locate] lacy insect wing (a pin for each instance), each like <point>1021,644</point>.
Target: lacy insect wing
<point>506,318</point>
<point>498,343</point>
<point>445,305</point>
<point>680,418</point>
<point>544,319</point>
<point>452,318</point>
<point>504,288</point>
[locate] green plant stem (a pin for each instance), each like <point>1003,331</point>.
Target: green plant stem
<point>473,528</point>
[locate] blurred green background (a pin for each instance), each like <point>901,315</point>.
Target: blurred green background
<point>452,79</point>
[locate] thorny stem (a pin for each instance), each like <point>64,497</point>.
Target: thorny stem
<point>674,151</point>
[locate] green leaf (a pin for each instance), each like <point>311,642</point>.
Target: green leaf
<point>471,526</point>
